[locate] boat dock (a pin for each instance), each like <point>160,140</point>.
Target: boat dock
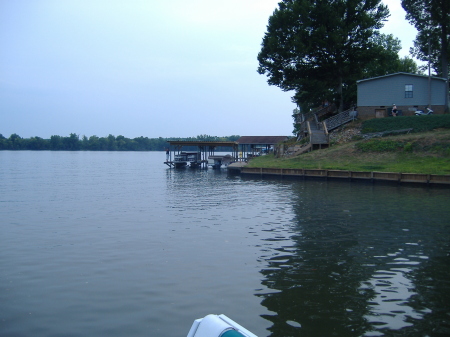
<point>243,149</point>
<point>177,158</point>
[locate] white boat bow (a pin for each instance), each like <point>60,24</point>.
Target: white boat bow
<point>218,326</point>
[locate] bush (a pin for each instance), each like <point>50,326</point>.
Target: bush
<point>377,145</point>
<point>438,147</point>
<point>417,123</point>
<point>408,147</point>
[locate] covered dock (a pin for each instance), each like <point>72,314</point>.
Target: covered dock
<point>205,149</point>
<point>253,146</point>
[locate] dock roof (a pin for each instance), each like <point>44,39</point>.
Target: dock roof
<point>201,143</point>
<point>244,140</point>
<point>261,140</point>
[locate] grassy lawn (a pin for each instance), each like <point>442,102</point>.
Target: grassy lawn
<point>425,152</point>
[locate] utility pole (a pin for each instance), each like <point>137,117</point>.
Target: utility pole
<point>429,73</point>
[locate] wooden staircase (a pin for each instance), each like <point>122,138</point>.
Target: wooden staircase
<point>296,150</point>
<point>340,119</point>
<point>318,135</point>
<point>318,131</point>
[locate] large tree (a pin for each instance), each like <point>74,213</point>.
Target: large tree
<point>432,44</point>
<point>320,48</point>
<point>388,61</point>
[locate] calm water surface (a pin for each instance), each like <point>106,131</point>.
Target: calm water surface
<point>117,244</point>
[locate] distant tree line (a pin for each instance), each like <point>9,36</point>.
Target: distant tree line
<point>110,143</point>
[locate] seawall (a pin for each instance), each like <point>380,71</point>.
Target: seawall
<point>416,178</point>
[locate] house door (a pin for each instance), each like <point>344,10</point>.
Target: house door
<point>380,113</point>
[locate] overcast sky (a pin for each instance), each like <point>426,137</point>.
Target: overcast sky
<point>143,68</point>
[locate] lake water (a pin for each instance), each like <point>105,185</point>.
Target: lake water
<point>118,244</point>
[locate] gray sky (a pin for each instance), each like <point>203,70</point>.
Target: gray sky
<point>143,68</point>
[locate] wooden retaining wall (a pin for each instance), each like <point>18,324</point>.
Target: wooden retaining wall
<point>350,175</point>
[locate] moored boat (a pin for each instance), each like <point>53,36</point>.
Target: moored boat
<point>180,160</point>
<point>194,158</point>
<point>220,160</point>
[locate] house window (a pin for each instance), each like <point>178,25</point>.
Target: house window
<point>408,91</point>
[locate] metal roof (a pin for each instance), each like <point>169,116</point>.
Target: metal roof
<point>400,73</point>
<point>261,140</point>
<point>254,140</point>
<point>201,143</point>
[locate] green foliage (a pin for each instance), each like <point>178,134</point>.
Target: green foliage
<point>94,143</point>
<point>427,152</point>
<point>378,145</point>
<point>392,161</point>
<point>320,48</point>
<point>407,65</point>
<point>438,148</point>
<point>388,61</point>
<point>417,123</point>
<point>432,43</point>
<point>408,147</point>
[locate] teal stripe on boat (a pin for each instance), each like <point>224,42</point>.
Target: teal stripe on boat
<point>232,333</point>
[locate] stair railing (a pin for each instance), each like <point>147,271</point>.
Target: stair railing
<point>317,121</point>
<point>325,129</point>
<point>339,119</point>
<point>308,126</point>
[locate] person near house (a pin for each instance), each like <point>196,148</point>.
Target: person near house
<point>167,154</point>
<point>394,110</point>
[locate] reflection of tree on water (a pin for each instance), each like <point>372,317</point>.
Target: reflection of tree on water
<point>433,286</point>
<point>329,281</point>
<point>317,282</point>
